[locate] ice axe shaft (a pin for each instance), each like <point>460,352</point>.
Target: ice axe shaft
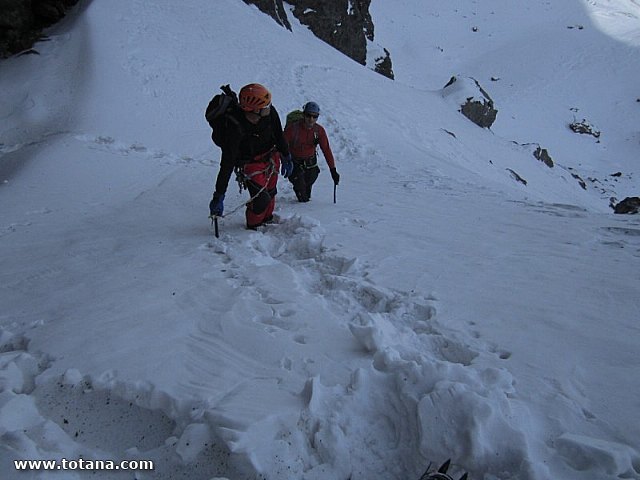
<point>335,187</point>
<point>214,222</point>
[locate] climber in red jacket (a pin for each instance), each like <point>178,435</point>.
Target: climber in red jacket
<point>303,137</point>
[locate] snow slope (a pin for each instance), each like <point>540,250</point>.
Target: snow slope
<point>545,64</point>
<point>439,309</point>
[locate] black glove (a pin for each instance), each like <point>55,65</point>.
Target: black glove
<point>335,175</point>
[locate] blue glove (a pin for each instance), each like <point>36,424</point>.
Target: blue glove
<point>216,206</point>
<point>286,169</point>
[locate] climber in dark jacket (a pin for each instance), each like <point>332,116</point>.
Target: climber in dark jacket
<point>256,148</point>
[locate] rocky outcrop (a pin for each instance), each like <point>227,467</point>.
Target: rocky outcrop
<point>273,8</point>
<point>630,205</point>
<point>471,99</point>
<point>516,176</point>
<point>584,128</point>
<point>383,65</point>
<point>21,22</point>
<point>344,24</point>
<point>543,155</point>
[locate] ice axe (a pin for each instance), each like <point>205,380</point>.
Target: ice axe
<point>214,222</point>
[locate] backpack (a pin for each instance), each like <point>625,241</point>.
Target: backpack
<point>294,116</point>
<point>218,113</point>
<point>297,116</point>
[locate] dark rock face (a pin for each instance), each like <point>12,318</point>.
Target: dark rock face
<point>630,205</point>
<point>384,65</point>
<point>517,177</point>
<point>22,21</point>
<point>344,24</point>
<point>584,128</point>
<point>480,109</point>
<point>274,9</point>
<point>481,113</point>
<point>332,21</point>
<point>543,155</point>
<point>16,27</point>
<point>474,102</point>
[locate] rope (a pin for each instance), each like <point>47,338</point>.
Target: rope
<point>271,168</point>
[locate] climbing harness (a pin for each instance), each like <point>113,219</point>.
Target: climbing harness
<point>243,179</point>
<point>306,163</point>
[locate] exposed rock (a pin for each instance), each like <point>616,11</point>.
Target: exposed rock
<point>517,177</point>
<point>629,205</point>
<point>383,65</point>
<point>16,27</point>
<point>450,133</point>
<point>481,113</point>
<point>344,24</point>
<point>580,180</point>
<point>273,8</point>
<point>543,155</point>
<point>21,22</point>
<point>584,128</point>
<point>473,101</point>
<point>50,11</point>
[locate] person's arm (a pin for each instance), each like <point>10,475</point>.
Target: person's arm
<point>230,153</point>
<point>281,143</point>
<point>323,141</point>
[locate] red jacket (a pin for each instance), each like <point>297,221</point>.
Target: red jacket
<point>302,141</point>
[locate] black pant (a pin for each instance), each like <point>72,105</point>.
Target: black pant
<point>303,177</point>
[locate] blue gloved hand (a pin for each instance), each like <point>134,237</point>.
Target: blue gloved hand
<point>216,206</point>
<point>286,168</point>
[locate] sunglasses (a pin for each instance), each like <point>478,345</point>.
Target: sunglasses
<point>311,115</point>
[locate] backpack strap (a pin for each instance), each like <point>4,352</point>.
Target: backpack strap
<point>214,111</point>
<point>232,119</point>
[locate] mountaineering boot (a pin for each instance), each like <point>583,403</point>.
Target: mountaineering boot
<point>271,219</point>
<point>302,198</point>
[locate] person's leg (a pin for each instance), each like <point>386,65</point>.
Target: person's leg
<point>311,175</point>
<point>262,186</point>
<point>298,182</point>
<point>260,208</point>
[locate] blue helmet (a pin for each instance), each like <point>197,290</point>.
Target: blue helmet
<point>311,107</point>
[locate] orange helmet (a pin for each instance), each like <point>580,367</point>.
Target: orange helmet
<point>254,97</point>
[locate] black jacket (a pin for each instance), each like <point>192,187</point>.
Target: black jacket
<point>244,141</point>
